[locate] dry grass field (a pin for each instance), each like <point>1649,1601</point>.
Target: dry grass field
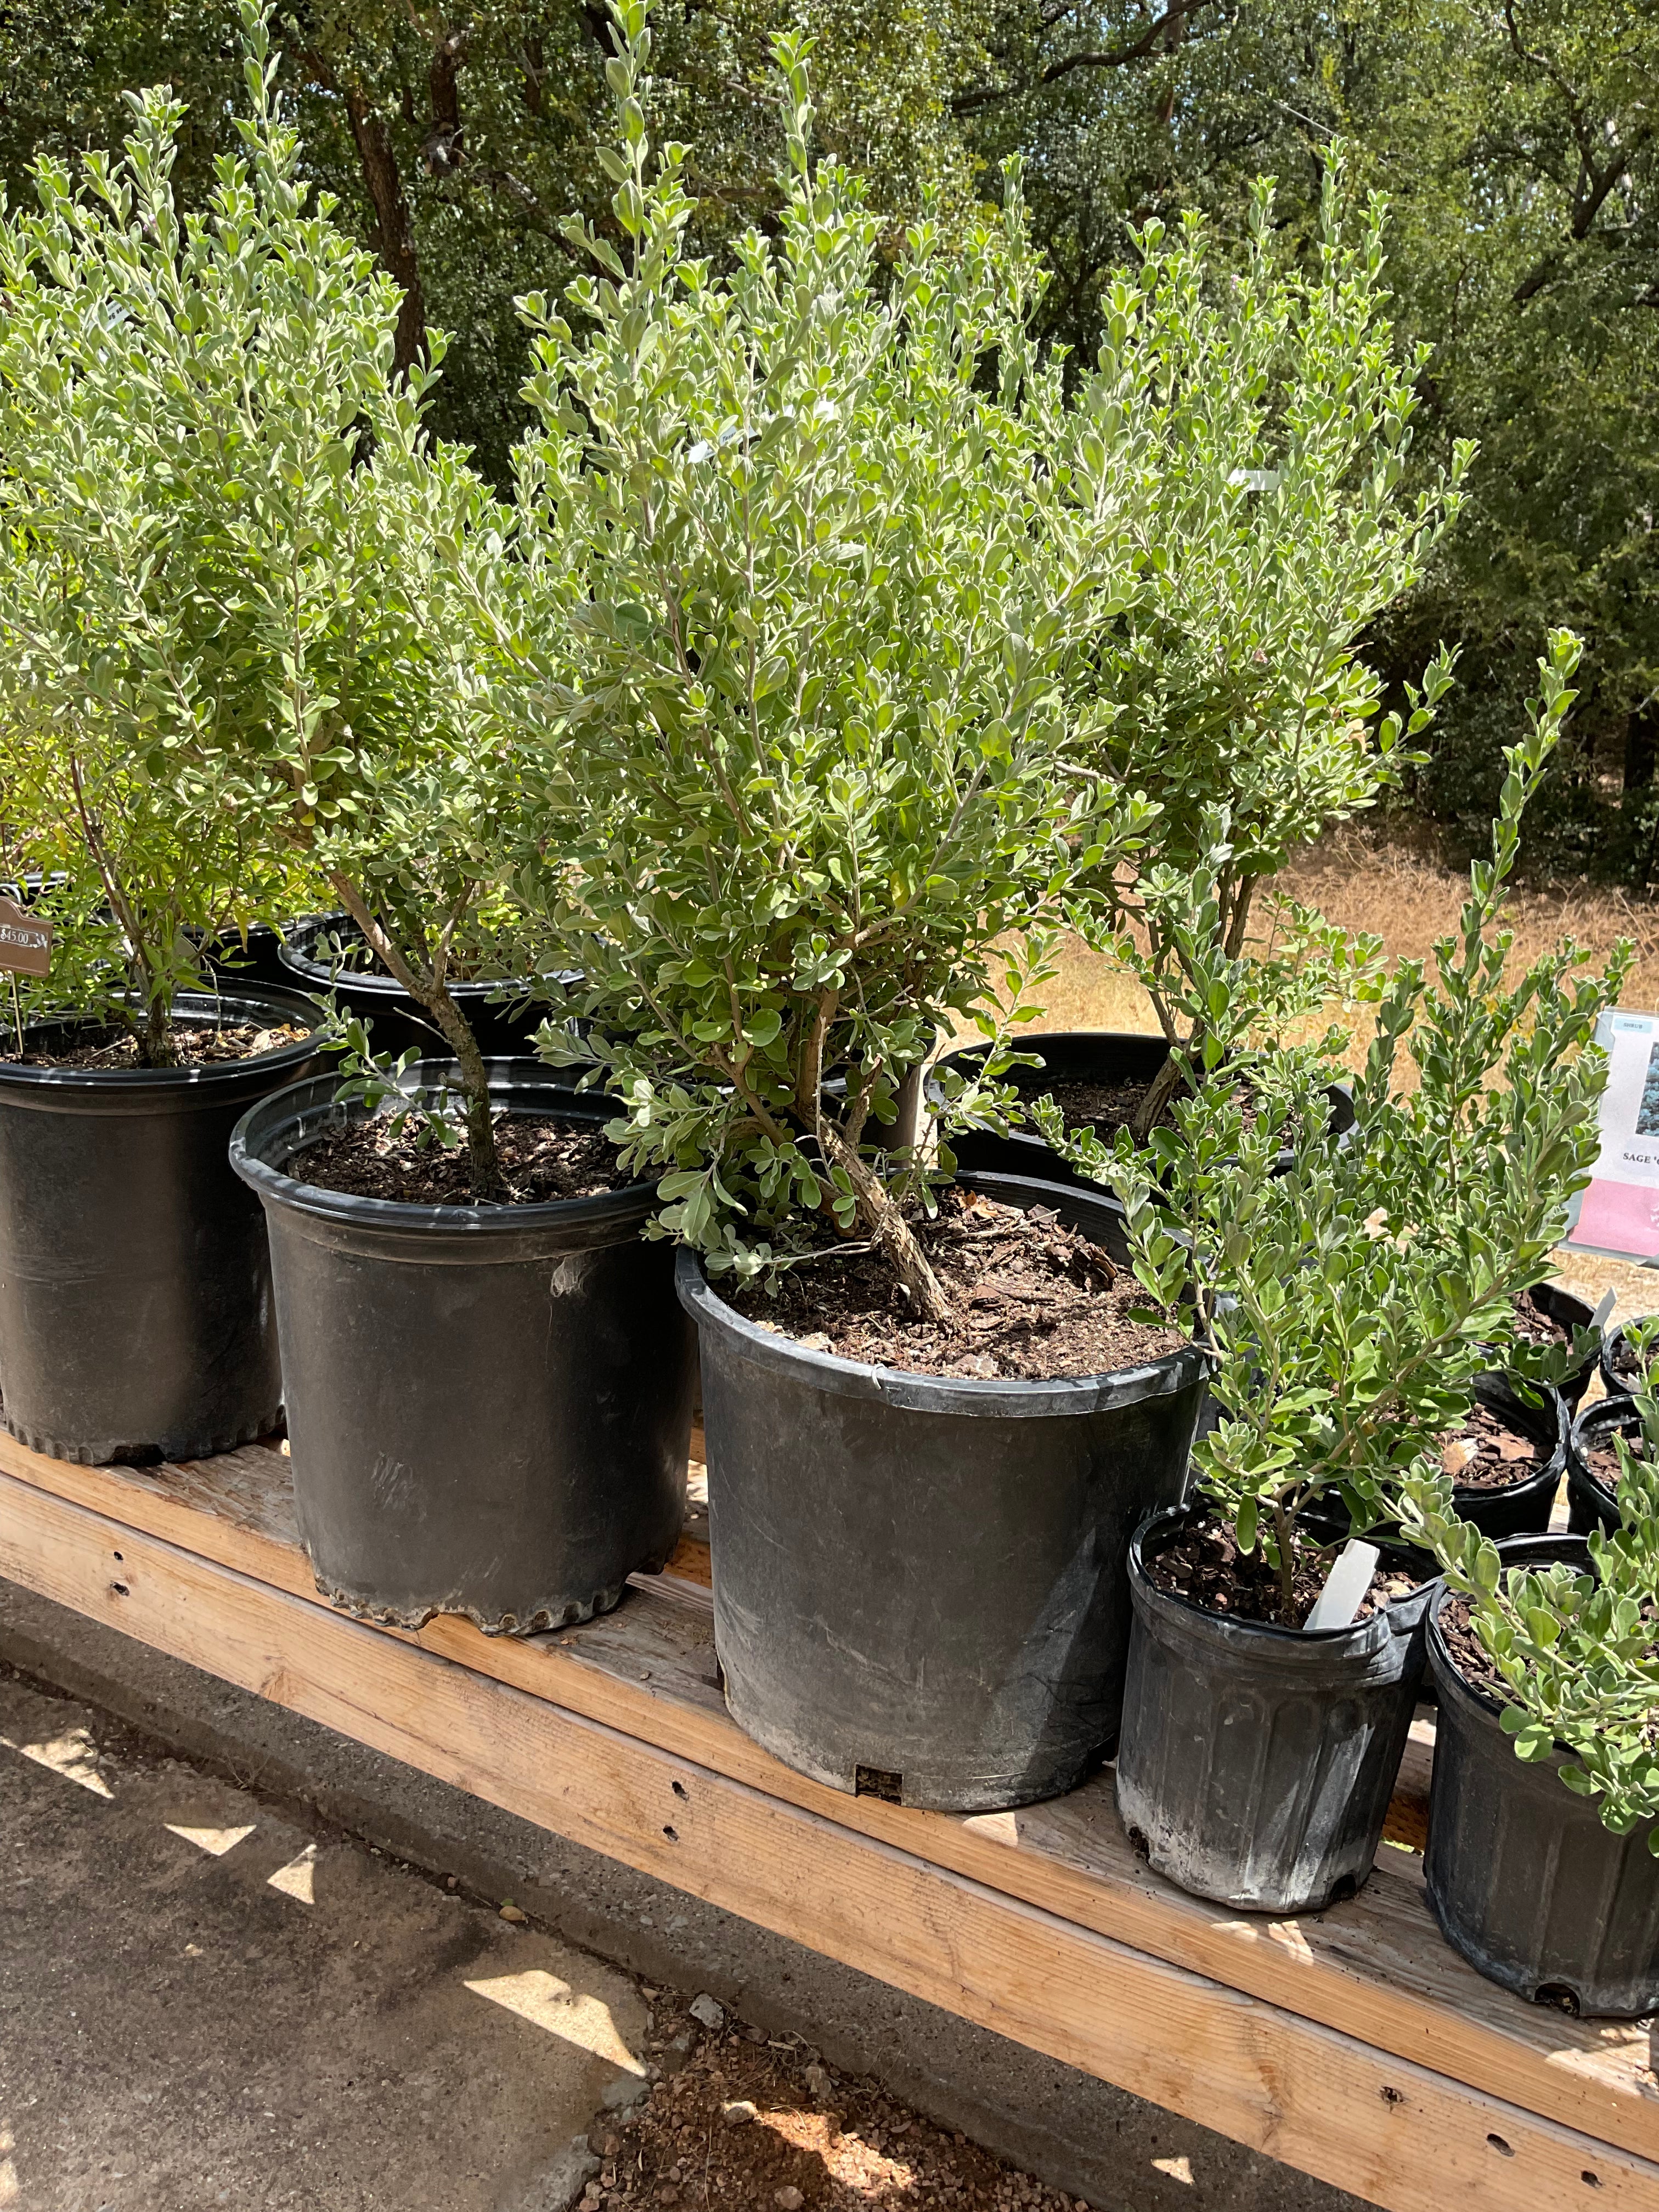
<point>1392,888</point>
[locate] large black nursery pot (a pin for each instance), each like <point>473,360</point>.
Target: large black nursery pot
<point>1591,1500</point>
<point>1115,1057</point>
<point>489,1407</point>
<point>136,1317</point>
<point>1523,1879</point>
<point>1256,1763</point>
<point>503,1028</point>
<point>918,1579</point>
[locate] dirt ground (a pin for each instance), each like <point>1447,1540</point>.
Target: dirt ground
<point>743,2121</point>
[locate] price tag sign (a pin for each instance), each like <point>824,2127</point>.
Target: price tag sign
<point>25,940</point>
<point>1618,1214</point>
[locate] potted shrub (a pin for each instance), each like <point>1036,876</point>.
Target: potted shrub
<point>488,1379</point>
<point>829,604</point>
<point>1351,1306</point>
<point>135,1289</point>
<point>1278,413</point>
<point>1542,1865</point>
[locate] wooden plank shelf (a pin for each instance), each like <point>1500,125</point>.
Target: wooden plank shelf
<point>1354,2044</point>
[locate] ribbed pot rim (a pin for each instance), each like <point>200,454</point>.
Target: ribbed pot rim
<point>242,999</point>
<point>268,1128</point>
<point>993,1397</point>
<point>1144,1591</point>
<point>317,976</point>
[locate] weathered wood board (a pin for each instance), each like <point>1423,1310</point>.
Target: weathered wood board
<point>1354,2045</point>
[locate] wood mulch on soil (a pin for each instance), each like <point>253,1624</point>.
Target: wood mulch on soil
<point>1205,1566</point>
<point>1485,1454</point>
<point>740,2123</point>
<point>1602,1457</point>
<point>1534,1326</point>
<point>541,1159</point>
<point>1474,1661</point>
<point>1032,1300</point>
<point>195,1044</point>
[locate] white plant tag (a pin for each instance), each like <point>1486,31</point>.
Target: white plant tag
<point>1345,1584</point>
<point>1600,1317</point>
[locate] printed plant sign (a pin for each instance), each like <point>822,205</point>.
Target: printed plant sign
<point>1619,1213</point>
<point>25,940</point>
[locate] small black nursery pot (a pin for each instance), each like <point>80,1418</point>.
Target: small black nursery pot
<point>136,1317</point>
<point>489,1407</point>
<point>1592,1463</point>
<point>1570,1311</point>
<point>1111,1060</point>
<point>503,1027</point>
<point>1622,1369</point>
<point>1256,1762</point>
<point>919,1586</point>
<point>1523,1879</point>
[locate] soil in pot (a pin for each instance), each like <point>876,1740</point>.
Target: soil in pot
<point>919,1587</point>
<point>193,1044</point>
<point>1487,1454</point>
<point>1622,1369</point>
<point>1548,1316</point>
<point>488,1406</point>
<point>1032,1299</point>
<point>540,1158</point>
<point>136,1317</point>
<point>1257,1760</point>
<point>1522,1877</point>
<point>1202,1563</point>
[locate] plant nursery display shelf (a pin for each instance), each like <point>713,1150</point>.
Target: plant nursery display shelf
<point>1354,2045</point>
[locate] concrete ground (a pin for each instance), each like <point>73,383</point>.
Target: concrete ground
<point>246,1962</point>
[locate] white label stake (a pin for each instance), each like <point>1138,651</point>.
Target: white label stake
<point>1599,1318</point>
<point>1345,1584</point>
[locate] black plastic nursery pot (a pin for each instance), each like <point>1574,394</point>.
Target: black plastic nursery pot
<point>252,957</point>
<point>1591,1503</point>
<point>1105,1057</point>
<point>1519,1509</point>
<point>1255,1762</point>
<point>503,1028</point>
<point>136,1316</point>
<point>919,1586</point>
<point>489,1407</point>
<point>1522,1877</point>
<point>1620,1377</point>
<point>1571,1312</point>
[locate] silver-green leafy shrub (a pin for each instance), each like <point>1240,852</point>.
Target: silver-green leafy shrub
<point>1351,1301</point>
<point>825,567</point>
<point>238,578</point>
<point>1577,1653</point>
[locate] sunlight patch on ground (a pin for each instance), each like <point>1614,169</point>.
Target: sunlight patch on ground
<point>214,1841</point>
<point>297,1879</point>
<point>75,1756</point>
<point>547,2003</point>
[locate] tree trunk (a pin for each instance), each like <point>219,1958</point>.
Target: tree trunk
<point>888,1230</point>
<point>1156,1096</point>
<point>483,1167</point>
<point>394,239</point>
